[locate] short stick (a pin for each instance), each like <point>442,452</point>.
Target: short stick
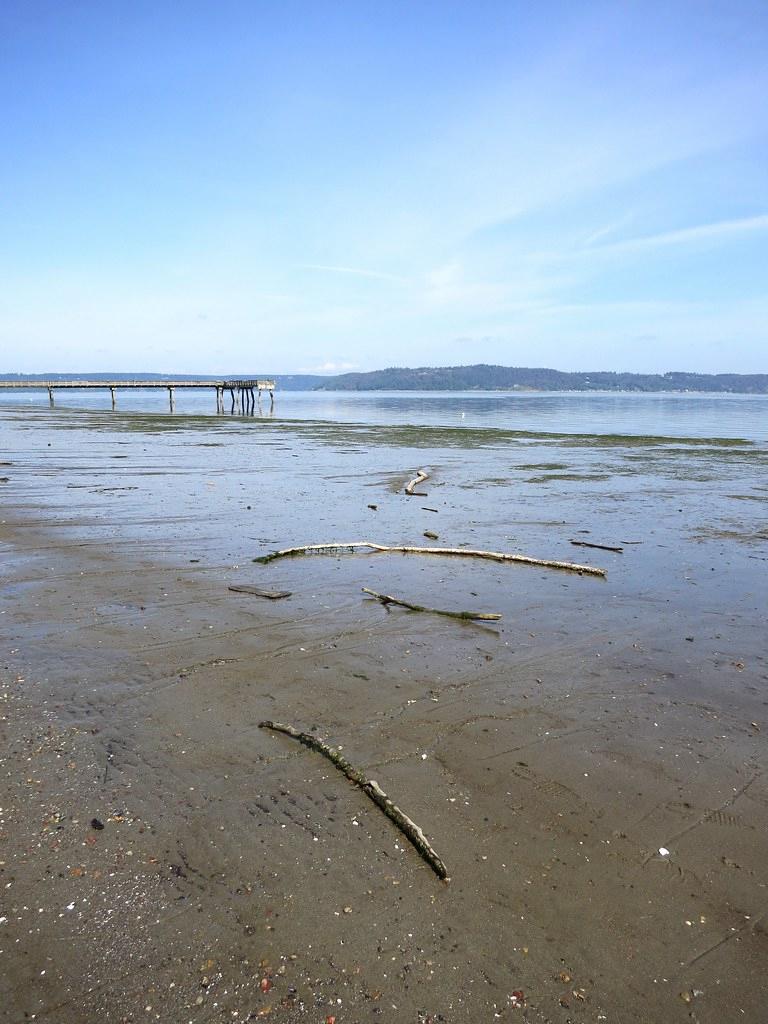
<point>388,599</point>
<point>602,547</point>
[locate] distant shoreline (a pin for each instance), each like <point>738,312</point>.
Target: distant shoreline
<point>540,391</point>
<point>678,392</point>
<point>480,377</point>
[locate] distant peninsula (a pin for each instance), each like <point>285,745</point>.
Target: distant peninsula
<point>479,377</point>
<point>483,377</point>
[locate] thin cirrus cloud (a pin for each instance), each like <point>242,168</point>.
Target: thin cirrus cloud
<point>329,366</point>
<point>682,236</point>
<point>605,232</point>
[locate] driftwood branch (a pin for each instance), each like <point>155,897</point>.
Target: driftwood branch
<point>602,547</point>
<point>273,595</point>
<point>420,477</point>
<point>409,828</point>
<point>494,556</point>
<point>388,599</point>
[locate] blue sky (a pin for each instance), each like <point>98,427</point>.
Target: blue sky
<point>319,186</point>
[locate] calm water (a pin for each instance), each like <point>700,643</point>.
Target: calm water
<point>689,415</point>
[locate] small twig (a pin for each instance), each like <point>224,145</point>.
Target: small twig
<point>602,547</point>
<point>494,556</point>
<point>425,509</point>
<point>273,595</point>
<point>750,925</point>
<point>387,599</point>
<point>409,828</point>
<point>420,477</point>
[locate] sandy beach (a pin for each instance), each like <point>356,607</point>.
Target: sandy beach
<point>591,770</point>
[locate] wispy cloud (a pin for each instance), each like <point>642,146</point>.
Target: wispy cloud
<point>609,229</point>
<point>329,367</point>
<point>449,288</point>
<point>356,271</point>
<point>699,233</point>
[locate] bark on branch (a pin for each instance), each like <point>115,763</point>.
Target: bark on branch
<point>388,599</point>
<point>494,556</point>
<point>372,789</point>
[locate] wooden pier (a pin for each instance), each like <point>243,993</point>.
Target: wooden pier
<point>244,393</point>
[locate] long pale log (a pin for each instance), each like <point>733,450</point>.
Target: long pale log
<point>420,477</point>
<point>388,599</point>
<point>372,789</point>
<point>494,556</point>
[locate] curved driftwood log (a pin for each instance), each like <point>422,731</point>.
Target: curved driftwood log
<point>409,828</point>
<point>494,556</point>
<point>388,599</point>
<point>420,477</point>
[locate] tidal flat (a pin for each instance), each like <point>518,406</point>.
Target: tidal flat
<point>591,768</point>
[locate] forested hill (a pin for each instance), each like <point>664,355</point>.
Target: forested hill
<point>509,378</point>
<point>481,377</point>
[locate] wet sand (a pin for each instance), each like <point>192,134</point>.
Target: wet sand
<point>238,875</point>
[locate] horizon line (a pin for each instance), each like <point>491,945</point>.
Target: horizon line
<point>5,374</point>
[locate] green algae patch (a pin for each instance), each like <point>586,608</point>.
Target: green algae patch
<point>722,533</point>
<point>354,436</point>
<point>549,477</point>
